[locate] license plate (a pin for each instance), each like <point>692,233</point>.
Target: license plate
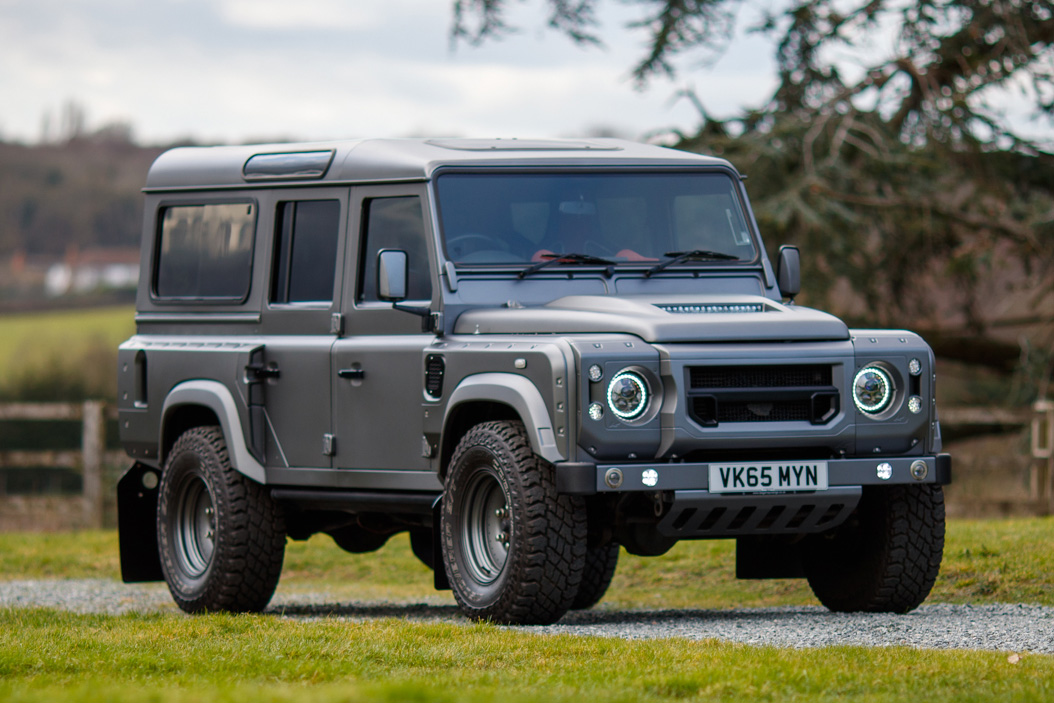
<point>768,476</point>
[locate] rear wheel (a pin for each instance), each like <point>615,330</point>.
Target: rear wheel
<point>221,538</point>
<point>513,548</point>
<point>599,569</point>
<point>886,557</point>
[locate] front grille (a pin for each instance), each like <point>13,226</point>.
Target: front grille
<point>759,376</point>
<point>792,393</point>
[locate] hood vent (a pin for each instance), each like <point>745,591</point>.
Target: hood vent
<point>722,308</point>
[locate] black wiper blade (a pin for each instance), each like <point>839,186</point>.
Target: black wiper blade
<point>569,258</point>
<point>693,255</point>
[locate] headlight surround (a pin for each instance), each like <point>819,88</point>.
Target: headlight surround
<point>873,389</point>
<point>628,395</point>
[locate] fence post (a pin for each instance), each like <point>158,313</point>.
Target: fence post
<point>92,444</point>
<point>1042,483</point>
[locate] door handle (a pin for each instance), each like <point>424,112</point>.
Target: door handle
<point>353,374</point>
<point>261,371</point>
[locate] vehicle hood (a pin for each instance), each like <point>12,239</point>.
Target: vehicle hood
<point>670,318</point>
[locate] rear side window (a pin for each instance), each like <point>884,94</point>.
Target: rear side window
<point>205,251</point>
<point>305,251</point>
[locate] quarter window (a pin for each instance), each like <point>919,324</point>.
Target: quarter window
<point>305,251</point>
<point>205,251</point>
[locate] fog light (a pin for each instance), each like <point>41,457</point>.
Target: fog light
<point>595,373</point>
<point>596,411</point>
<point>885,471</point>
<point>915,404</point>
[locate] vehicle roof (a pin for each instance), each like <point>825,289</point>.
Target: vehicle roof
<point>374,160</point>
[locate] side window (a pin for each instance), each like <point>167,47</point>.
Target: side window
<point>305,251</point>
<point>394,223</point>
<point>205,251</point>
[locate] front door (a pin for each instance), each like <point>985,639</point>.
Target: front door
<point>378,363</point>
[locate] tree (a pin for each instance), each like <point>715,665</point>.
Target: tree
<point>896,173</point>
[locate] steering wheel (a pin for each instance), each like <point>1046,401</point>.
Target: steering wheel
<point>460,243</point>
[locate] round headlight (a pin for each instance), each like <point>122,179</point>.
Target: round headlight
<point>627,395</point>
<point>872,390</point>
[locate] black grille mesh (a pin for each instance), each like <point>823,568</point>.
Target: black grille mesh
<point>760,376</point>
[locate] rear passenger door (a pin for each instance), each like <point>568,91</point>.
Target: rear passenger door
<point>305,263</point>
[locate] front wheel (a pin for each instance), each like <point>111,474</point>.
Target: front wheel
<point>221,537</point>
<point>513,548</point>
<point>886,557</point>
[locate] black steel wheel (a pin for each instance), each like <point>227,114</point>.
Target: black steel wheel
<point>220,536</point>
<point>886,557</point>
<point>513,548</point>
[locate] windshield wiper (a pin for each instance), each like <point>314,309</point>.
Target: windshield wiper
<point>693,255</point>
<point>569,258</point>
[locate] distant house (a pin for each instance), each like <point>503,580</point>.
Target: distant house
<point>88,270</point>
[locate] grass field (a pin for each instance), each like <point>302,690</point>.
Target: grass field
<point>46,656</point>
<point>72,331</point>
<point>62,355</point>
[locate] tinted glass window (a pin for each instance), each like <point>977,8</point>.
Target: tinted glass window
<point>510,218</point>
<point>305,251</point>
<point>395,223</point>
<point>205,251</point>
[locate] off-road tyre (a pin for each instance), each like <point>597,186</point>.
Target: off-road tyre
<point>886,557</point>
<point>600,565</point>
<point>512,547</point>
<point>221,537</point>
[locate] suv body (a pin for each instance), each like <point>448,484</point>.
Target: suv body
<point>524,354</point>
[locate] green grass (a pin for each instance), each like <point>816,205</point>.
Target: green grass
<point>1008,561</point>
<point>72,331</point>
<point>47,656</point>
<point>62,355</point>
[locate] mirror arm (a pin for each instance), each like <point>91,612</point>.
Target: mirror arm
<point>420,312</point>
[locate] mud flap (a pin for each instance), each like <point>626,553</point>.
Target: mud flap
<point>137,524</point>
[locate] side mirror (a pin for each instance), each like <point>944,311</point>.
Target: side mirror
<point>392,272</point>
<point>788,276</point>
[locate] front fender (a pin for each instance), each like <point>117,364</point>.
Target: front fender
<point>522,396</point>
<point>216,397</point>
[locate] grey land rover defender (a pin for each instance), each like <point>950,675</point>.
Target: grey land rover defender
<point>525,354</point>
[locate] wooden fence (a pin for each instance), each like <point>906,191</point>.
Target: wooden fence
<point>91,460</point>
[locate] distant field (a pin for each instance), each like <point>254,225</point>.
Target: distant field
<point>72,331</point>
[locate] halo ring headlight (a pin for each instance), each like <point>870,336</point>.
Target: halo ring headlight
<point>872,389</point>
<point>628,395</point>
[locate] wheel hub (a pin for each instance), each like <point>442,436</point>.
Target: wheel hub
<point>195,531</point>
<point>486,528</point>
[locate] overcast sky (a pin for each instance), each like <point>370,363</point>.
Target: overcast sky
<point>236,70</point>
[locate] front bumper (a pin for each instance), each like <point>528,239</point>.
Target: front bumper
<point>692,511</point>
<point>586,478</point>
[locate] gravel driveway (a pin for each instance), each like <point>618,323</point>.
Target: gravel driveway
<point>1011,628</point>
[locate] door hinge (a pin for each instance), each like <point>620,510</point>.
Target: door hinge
<point>329,445</point>
<point>336,324</point>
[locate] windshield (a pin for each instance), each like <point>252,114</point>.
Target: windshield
<point>517,218</point>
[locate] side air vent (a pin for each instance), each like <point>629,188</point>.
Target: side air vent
<point>434,368</point>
